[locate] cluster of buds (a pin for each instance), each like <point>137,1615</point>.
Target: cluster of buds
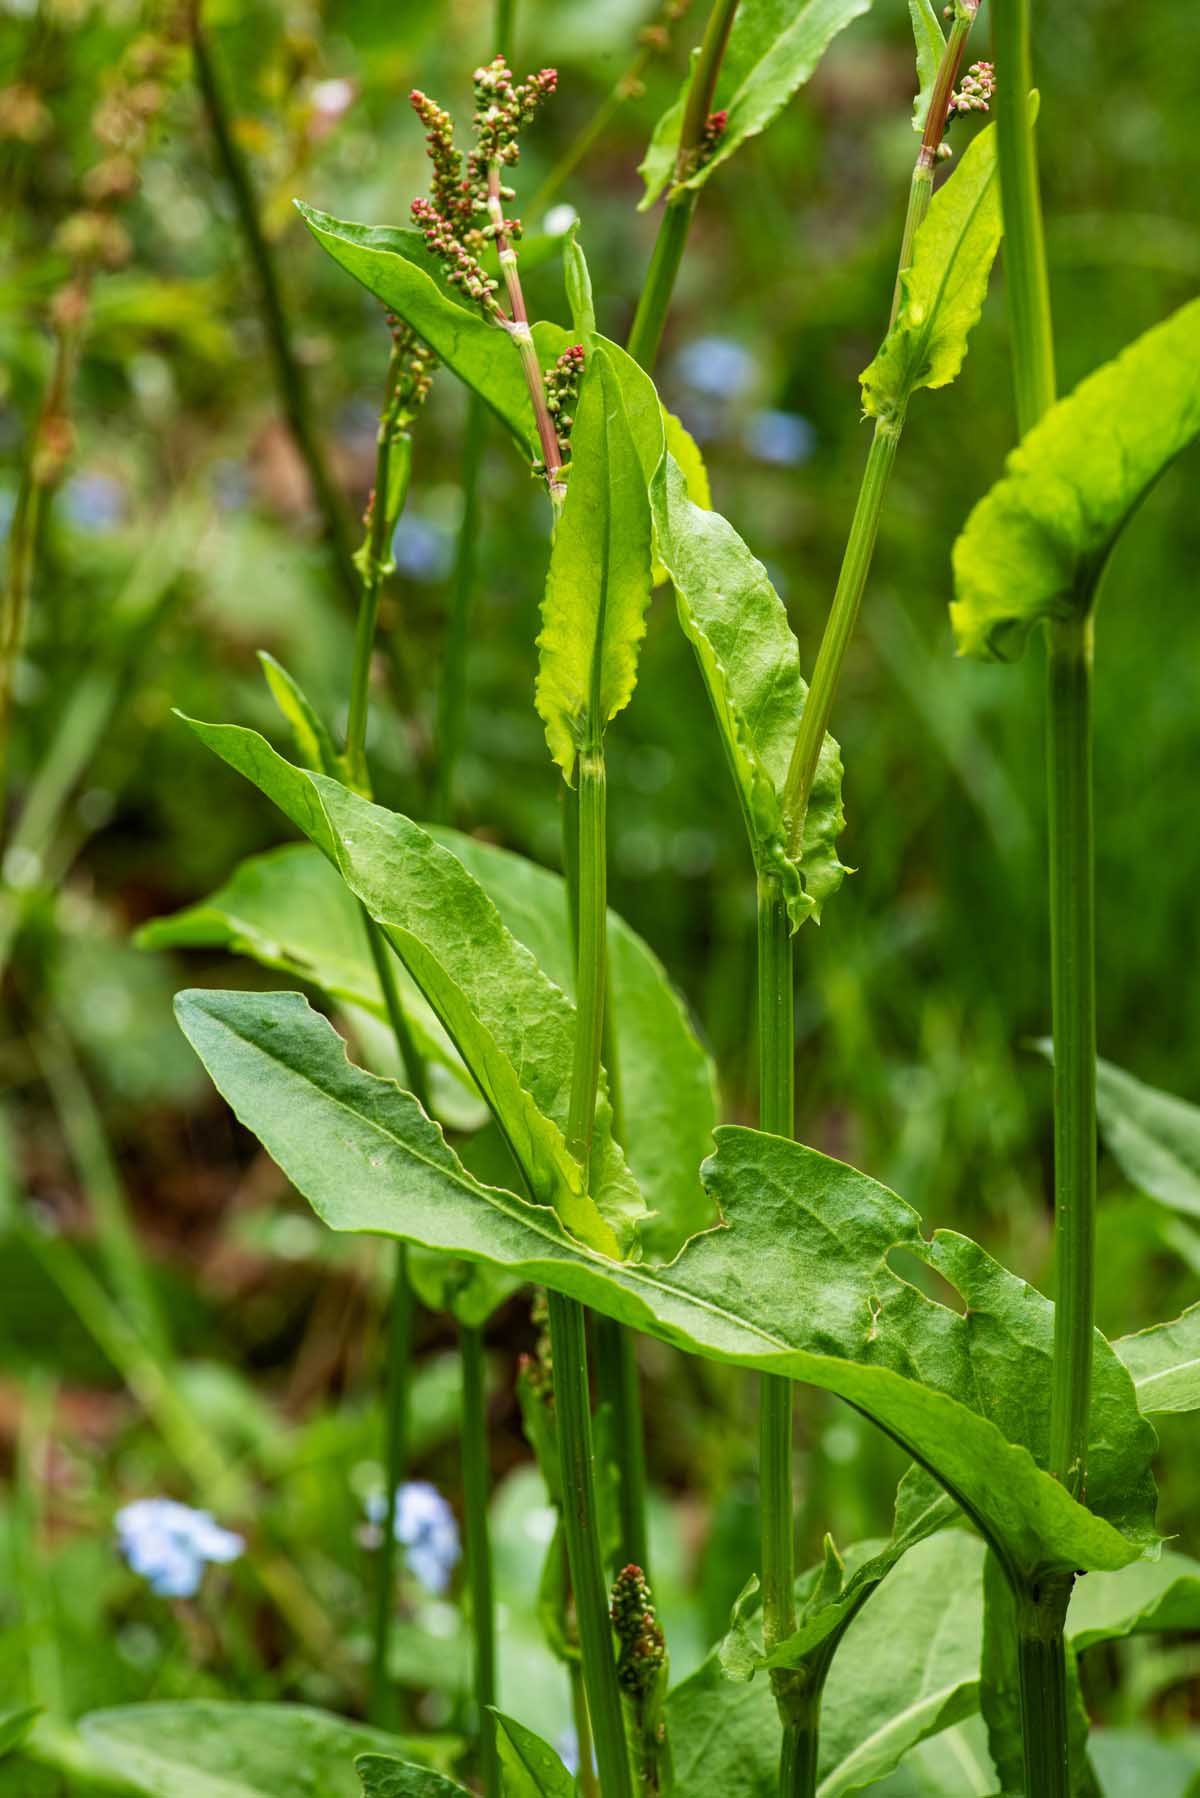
<point>978,86</point>
<point>642,1648</point>
<point>464,211</point>
<point>562,391</point>
<point>714,131</point>
<point>537,1370</point>
<point>415,367</point>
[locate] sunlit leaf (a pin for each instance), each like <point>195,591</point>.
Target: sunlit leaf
<point>598,585</point>
<point>314,745</point>
<point>1144,1599</point>
<point>773,49</point>
<point>1164,1362</point>
<point>1035,547</point>
<point>393,263</point>
<point>797,1282</point>
<point>1153,1135</point>
<point>944,288</point>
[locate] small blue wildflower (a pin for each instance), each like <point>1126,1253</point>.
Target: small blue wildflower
<point>420,550</point>
<point>784,438</point>
<point>94,502</point>
<point>717,367</point>
<point>427,1531</point>
<point>170,1545</point>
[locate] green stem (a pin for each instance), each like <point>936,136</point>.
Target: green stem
<point>1073,986</point>
<point>479,1551</point>
<point>568,1342</point>
<point>588,1787</point>
<point>393,471</point>
<point>1042,1678</point>
<point>776,1114</point>
<point>936,119</point>
<point>1026,281</point>
<point>399,1360</point>
<point>452,688</point>
<point>655,300</point>
<point>581,1523</point>
<point>291,381</point>
<point>856,565</point>
<point>617,1386</point>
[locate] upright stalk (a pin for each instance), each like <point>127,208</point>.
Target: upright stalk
<point>839,628</point>
<point>568,1341</point>
<point>921,191</point>
<point>479,1550</point>
<point>776,1114</point>
<point>291,381</point>
<point>1042,1610</point>
<point>646,332</point>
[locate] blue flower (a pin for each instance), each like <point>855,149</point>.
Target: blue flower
<point>93,501</point>
<point>170,1545</point>
<point>421,551</point>
<point>427,1531</point>
<point>785,438</point>
<point>717,367</point>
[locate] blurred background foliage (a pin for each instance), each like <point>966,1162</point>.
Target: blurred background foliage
<point>180,537</point>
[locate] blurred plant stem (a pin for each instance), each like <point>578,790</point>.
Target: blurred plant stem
<point>646,331</point>
<point>30,1570</point>
<point>291,379</point>
<point>476,1485</point>
<point>1042,1610</point>
<point>83,1131</point>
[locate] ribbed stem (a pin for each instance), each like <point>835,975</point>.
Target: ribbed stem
<point>1073,984</point>
<point>581,1523</point>
<point>476,1484</point>
<point>291,381</point>
<point>1042,1676</point>
<point>776,1113</point>
<point>839,627</point>
<point>1026,282</point>
<point>591,953</point>
<point>617,1385</point>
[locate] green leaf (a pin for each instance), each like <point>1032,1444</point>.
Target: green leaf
<point>216,1750</point>
<point>909,1668</point>
<point>383,1777</point>
<point>1153,1135</point>
<point>1133,1760</point>
<point>953,1764</point>
<point>1164,1363</point>
<point>773,49</point>
<point>750,664</point>
<point>393,263</point>
<point>314,745</point>
<point>944,289</point>
<point>667,1080</point>
<point>1145,1599</point>
<point>15,1725</point>
<point>578,281</point>
<point>1035,547</point>
<point>598,585</point>
<point>289,909</point>
<point>513,1028</point>
<point>930,40</point>
<point>831,1603</point>
<point>530,1766</point>
<point>797,1282</point>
